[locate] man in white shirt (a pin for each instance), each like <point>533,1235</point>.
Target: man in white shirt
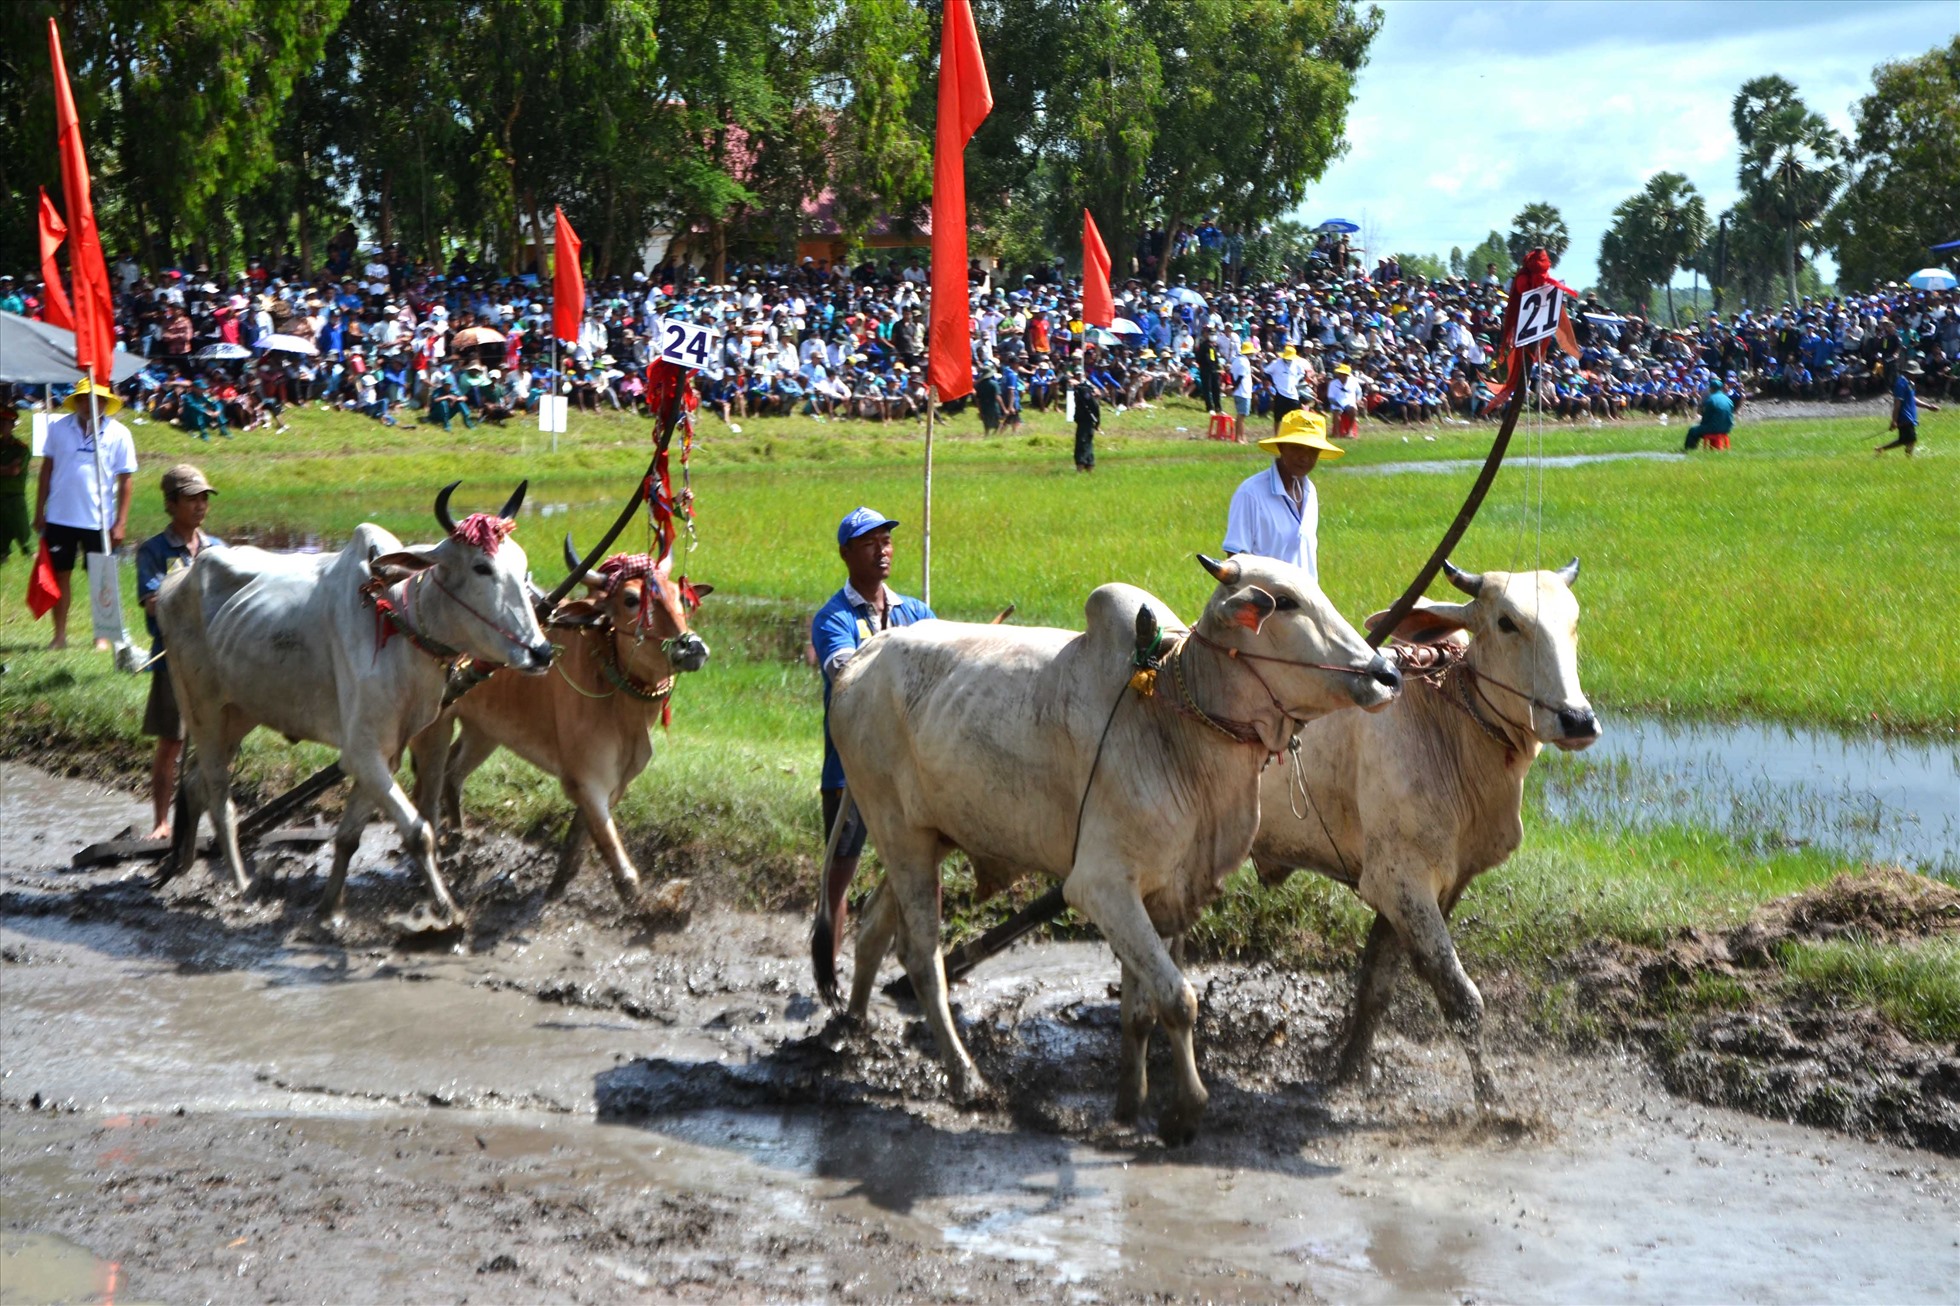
<point>1275,513</point>
<point>82,488</point>
<point>1285,373</point>
<point>1241,387</point>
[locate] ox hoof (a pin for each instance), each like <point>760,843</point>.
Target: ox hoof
<point>1179,1124</point>
<point>969,1088</point>
<point>672,901</point>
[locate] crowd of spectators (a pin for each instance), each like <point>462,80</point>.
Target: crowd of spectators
<point>382,334</point>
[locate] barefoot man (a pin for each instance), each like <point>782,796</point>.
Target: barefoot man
<point>187,498</point>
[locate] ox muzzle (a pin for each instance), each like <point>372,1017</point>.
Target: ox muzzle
<point>687,651</point>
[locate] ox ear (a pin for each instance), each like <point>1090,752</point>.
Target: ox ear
<point>1248,607</point>
<point>1424,625</point>
<point>392,567</point>
<point>701,591</point>
<point>578,612</point>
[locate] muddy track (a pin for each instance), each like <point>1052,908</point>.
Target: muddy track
<point>230,1101</point>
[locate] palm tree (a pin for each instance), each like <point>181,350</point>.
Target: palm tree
<point>1538,225</point>
<point>1792,162</point>
<point>1676,222</point>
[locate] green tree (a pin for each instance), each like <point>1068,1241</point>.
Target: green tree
<point>1538,226</point>
<point>1654,233</point>
<point>1493,250</point>
<point>1456,260</point>
<point>1427,266</point>
<point>1904,190</point>
<point>1792,163</point>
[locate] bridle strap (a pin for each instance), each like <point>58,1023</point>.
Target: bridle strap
<point>464,604</point>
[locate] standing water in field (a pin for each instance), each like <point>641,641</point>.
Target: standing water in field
<point>1871,797</point>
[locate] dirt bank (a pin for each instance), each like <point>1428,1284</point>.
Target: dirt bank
<point>224,1101</point>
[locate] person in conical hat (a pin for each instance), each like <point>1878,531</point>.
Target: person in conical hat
<point>1275,512</point>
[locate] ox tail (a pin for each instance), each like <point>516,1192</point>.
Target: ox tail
<point>830,905</point>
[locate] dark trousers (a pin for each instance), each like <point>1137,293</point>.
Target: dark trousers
<point>1085,446</point>
<point>1208,384</point>
<point>1281,407</point>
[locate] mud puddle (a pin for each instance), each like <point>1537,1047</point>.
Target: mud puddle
<point>229,1105</point>
<point>1867,797</point>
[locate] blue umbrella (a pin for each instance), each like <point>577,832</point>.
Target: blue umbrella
<point>1932,279</point>
<point>1341,225</point>
<point>1186,295</point>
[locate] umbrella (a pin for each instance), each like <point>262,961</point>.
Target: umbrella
<point>1096,335</point>
<point>471,337</point>
<point>1932,279</point>
<point>222,351</point>
<point>1186,295</point>
<point>1341,225</point>
<point>286,344</point>
<point>34,353</point>
<point>1122,326</point>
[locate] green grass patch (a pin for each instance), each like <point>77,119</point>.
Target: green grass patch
<point>1914,985</point>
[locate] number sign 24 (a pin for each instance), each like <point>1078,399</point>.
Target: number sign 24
<point>1537,315</point>
<point>688,344</point>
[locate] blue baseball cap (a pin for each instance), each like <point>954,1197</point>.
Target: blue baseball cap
<point>860,521</point>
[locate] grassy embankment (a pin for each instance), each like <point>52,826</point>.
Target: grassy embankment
<point>1792,578</point>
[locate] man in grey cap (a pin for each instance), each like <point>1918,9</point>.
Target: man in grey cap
<point>865,606</point>
<point>187,498</point>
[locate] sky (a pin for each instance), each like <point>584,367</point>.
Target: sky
<point>1468,110</point>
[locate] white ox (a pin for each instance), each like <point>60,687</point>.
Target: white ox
<point>290,642</point>
<point>590,726</point>
<point>1427,795</point>
<point>986,738</point>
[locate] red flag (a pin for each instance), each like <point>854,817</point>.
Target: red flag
<point>1098,304</point>
<point>965,100</point>
<point>43,588</point>
<point>54,300</point>
<point>93,308</point>
<point>567,282</point>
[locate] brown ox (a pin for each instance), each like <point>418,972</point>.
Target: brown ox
<point>589,723</point>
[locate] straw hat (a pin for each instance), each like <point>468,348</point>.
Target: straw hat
<point>108,400</point>
<point>1304,428</point>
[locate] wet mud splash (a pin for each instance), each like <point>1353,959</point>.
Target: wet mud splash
<point>229,1102</point>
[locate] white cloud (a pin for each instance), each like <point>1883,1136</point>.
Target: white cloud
<point>1468,111</point>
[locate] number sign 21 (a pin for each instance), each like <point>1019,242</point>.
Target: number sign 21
<point>688,344</point>
<point>1537,315</point>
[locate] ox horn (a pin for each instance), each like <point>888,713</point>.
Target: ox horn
<point>1569,572</point>
<point>443,519</point>
<point>1470,582</point>
<point>571,554</point>
<point>1225,573</point>
<point>509,511</point>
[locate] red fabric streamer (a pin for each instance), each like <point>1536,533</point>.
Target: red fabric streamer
<point>673,401</point>
<point>485,530</point>
<point>94,310</point>
<point>54,299</point>
<point>1098,303</point>
<point>965,100</point>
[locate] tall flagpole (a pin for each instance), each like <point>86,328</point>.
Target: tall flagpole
<point>925,530</point>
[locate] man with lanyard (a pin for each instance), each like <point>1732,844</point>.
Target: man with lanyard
<point>1275,513</point>
<point>187,498</point>
<point>865,606</point>
<point>73,503</point>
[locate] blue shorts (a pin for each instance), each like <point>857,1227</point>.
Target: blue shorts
<point>1243,407</point>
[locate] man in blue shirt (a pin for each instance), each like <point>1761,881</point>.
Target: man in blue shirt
<point>865,606</point>
<point>1905,409</point>
<point>1717,419</point>
<point>187,498</point>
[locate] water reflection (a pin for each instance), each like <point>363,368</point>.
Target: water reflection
<point>1871,797</point>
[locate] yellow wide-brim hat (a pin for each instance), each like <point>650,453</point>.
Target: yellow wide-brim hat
<point>109,402</point>
<point>1302,427</point>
